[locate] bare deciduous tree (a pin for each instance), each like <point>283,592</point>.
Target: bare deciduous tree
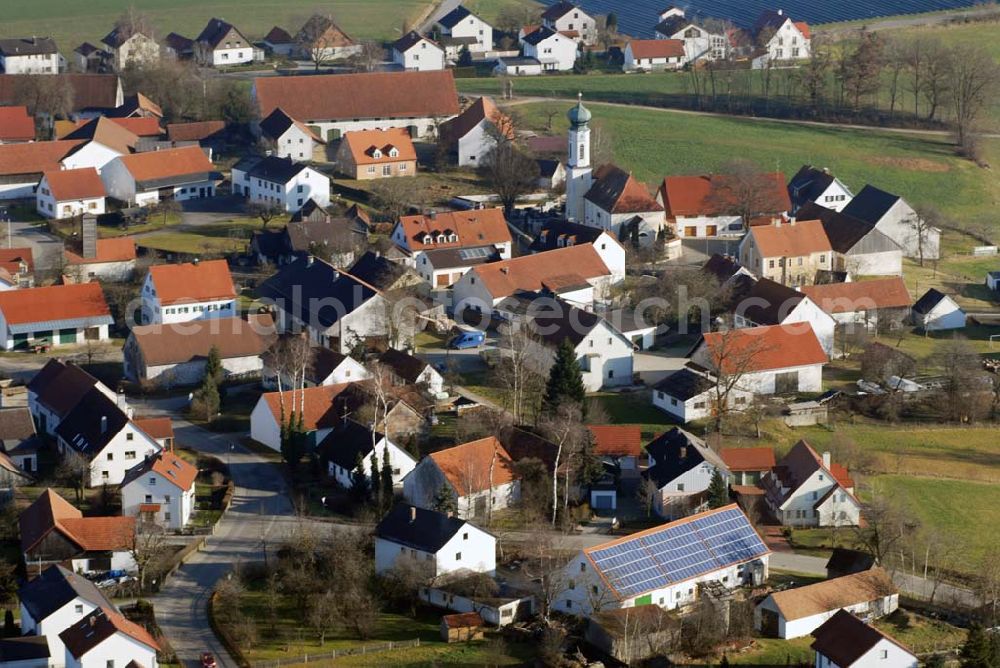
<point>263,210</point>
<point>564,428</point>
<point>731,358</point>
<point>145,547</point>
<point>973,78</point>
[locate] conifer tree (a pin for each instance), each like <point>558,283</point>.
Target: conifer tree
<point>445,501</point>
<point>213,364</point>
<point>359,480</point>
<point>386,476</point>
<point>377,491</point>
<point>718,491</point>
<point>565,382</point>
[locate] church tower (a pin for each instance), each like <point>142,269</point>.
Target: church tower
<point>578,174</point>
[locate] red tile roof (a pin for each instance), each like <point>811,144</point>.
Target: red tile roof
<point>34,158</point>
<point>193,282</point>
<point>478,227</point>
<point>657,48</point>
<point>803,28</point>
<point>53,303</point>
<point>363,143</point>
<point>794,239</point>
<point>157,428</point>
<point>531,273</point>
<point>764,348</point>
<point>11,258</point>
<point>16,124</point>
<point>183,342</point>
<point>368,95</point>
<point>93,534</point>
<point>748,459</point>
<point>482,109</point>
<point>467,466</point>
<point>117,249</point>
<point>617,440</point>
<point>141,126</point>
<point>319,408</point>
<point>104,622</point>
<point>172,468</point>
<point>74,184</point>
<point>194,131</point>
<point>860,295</point>
<point>168,163</point>
<point>709,195</point>
<point>462,620</point>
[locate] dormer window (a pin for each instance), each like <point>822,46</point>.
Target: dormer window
<point>393,152</point>
<point>442,238</point>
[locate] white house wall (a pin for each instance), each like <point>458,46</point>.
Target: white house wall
<point>110,464</point>
<point>116,650</point>
<point>54,624</point>
<point>295,143</point>
<point>180,504</point>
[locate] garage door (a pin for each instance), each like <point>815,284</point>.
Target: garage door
<point>20,341</point>
<point>67,336</point>
<point>603,501</point>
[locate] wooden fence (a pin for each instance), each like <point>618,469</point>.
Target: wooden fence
<point>335,654</point>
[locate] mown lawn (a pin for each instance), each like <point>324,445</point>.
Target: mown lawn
<point>774,652</point>
<point>633,408</point>
<point>921,634</point>
<point>216,238</point>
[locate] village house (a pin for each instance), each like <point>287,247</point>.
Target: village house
<point>935,312</point>
<point>351,443</point>
<point>414,52</point>
<point>681,468</point>
<point>321,40</point>
<point>16,125</point>
<point>160,429</point>
<point>764,303</point>
<point>797,612</point>
<point>290,138</point>
<point>631,635</point>
<point>561,233</point>
<point>747,466</point>
<point>789,252</point>
<point>376,154</point>
<point>23,165</point>
<point>280,183</point>
<point>315,404</point>
<point>279,42</point>
<point>781,37</point>
<point>442,267</point>
<point>90,58</point>
<point>806,489</point>
<point>143,179</point>
<point>551,173</point>
<point>93,94</point>
<point>479,476</point>
<point>555,51</point>
<point>326,367</point>
<point>178,46</point>
<point>30,55</point>
<point>620,446</point>
<point>895,218</point>
<point>812,185</point>
<point>515,66</point>
<point>407,369</point>
<point>130,47</point>
<point>173,355</point>
<point>461,28</point>
<point>160,489</point>
<point>188,291</point>
<point>617,202</point>
<point>54,532</point>
<point>472,134</point>
<point>435,543</point>
<point>102,140</point>
<point>69,193</point>
<point>700,42</point>
<point>576,274</point>
<point>844,641</point>
<point>777,359</point>
<point>708,206</point>
<point>17,267</point>
<point>56,389</point>
<point>859,249</point>
<point>53,601</point>
<point>453,229</point>
<point>648,55</point>
<point>221,44</point>
<point>319,232</point>
<point>565,17</point>
<point>338,103</point>
<point>18,438</point>
<point>136,105</point>
<point>665,565</point>
<point>111,259</point>
<point>107,633</point>
<point>692,393</point>
<point>55,315</point>
<point>881,304</point>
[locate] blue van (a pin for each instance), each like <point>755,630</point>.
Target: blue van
<point>467,340</point>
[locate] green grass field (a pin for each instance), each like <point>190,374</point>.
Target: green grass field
<point>215,238</point>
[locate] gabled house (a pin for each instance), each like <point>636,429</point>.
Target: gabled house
<point>280,183</point>
<point>433,543</point>
<point>17,268</point>
<point>616,201</point>
<point>56,390</point>
<point>747,466</point>
<point>619,445</point>
<point>681,467</point>
<point>103,140</point>
<point>407,369</point>
<point>847,642</point>
<point>812,185</point>
<point>337,103</point>
<point>142,179</point>
<point>555,51</point>
<point>725,270</point>
<point>320,40</point>
<point>173,355</point>
<point>936,311</point>
<point>700,42</point>
<point>18,439</point>
<point>130,47</point>
<point>53,601</point>
<point>319,232</point>
<point>188,291</point>
<point>776,359</point>
<point>806,489</point>
<point>472,134</point>
<point>53,531</point>
<point>349,443</point>
<point>326,367</point>
<point>69,193</point>
<point>858,248</point>
<point>23,165</point>
<point>221,44</point>
<point>160,489</point>
<point>55,315</point>
<point>106,632</point>
<point>895,218</point>
<point>709,206</point>
<point>90,58</point>
<point>789,252</point>
<point>376,154</point>
<point>16,125</point>
<point>568,18</point>
<point>30,55</point>
<point>453,229</point>
<point>178,46</point>
<point>665,565</point>
<point>766,303</point>
<point>160,429</point>
<point>797,612</point>
<point>879,304</point>
<point>780,37</point>
<point>463,28</point>
<point>691,393</point>
<point>315,405</point>
<point>279,42</point>
<point>649,55</point>
<point>110,259</point>
<point>442,267</point>
<point>560,234</point>
<point>136,105</point>
<point>478,475</point>
<point>415,52</point>
<point>290,138</point>
<point>516,66</point>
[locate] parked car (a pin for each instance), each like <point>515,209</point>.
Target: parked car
<point>467,340</point>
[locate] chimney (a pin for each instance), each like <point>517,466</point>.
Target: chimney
<point>826,459</point>
<point>88,235</point>
<point>196,261</point>
<point>413,514</point>
<point>432,214</point>
<point>684,452</point>
<point>309,260</point>
<point>104,424</point>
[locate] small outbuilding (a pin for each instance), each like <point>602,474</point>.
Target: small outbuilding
<point>936,311</point>
<point>462,627</point>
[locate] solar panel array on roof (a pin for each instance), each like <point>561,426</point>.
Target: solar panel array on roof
<point>475,253</point>
<point>678,551</point>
